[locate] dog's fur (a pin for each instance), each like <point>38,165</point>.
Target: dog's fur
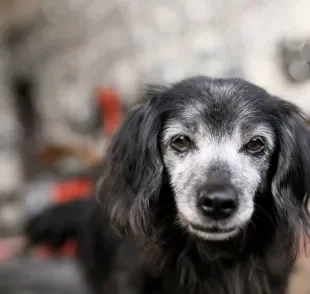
<point>148,192</point>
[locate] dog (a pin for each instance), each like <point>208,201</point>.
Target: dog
<point>202,191</point>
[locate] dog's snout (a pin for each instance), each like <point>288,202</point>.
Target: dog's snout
<point>218,203</point>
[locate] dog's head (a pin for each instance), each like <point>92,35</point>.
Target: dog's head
<point>225,148</point>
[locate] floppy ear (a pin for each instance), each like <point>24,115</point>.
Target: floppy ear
<point>133,168</point>
<point>291,183</point>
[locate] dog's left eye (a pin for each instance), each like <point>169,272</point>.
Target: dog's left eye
<point>181,143</point>
<point>255,145</point>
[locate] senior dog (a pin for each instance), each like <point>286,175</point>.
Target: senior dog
<point>202,191</point>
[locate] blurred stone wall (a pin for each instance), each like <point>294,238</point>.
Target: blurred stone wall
<point>68,47</point>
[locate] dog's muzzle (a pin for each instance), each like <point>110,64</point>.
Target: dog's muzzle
<point>217,201</point>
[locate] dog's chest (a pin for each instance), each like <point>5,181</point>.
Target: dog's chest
<point>239,279</point>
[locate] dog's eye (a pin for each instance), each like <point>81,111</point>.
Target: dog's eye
<point>181,143</point>
<point>255,145</point>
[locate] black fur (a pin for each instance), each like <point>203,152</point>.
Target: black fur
<point>138,202</point>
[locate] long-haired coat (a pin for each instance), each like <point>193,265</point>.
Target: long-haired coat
<point>205,182</point>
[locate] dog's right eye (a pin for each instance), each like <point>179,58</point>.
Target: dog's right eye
<point>255,145</point>
<point>181,143</point>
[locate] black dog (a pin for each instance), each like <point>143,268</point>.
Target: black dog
<point>205,183</point>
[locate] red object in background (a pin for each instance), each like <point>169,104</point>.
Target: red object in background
<point>70,190</point>
<point>111,109</point>
<point>62,193</point>
<point>68,250</point>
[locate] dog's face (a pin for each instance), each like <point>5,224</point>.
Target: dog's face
<point>222,144</point>
<point>216,165</point>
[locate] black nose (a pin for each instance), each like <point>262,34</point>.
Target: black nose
<point>218,204</point>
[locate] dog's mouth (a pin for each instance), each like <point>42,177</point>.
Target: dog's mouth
<point>215,230</point>
<point>213,233</point>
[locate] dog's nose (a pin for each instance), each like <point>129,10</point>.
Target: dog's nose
<point>218,204</point>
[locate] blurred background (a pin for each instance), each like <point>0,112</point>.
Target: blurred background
<point>69,69</point>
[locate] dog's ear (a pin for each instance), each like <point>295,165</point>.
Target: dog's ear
<point>291,183</point>
<point>133,168</point>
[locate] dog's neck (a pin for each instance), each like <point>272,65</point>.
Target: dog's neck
<point>199,267</point>
<point>242,266</point>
